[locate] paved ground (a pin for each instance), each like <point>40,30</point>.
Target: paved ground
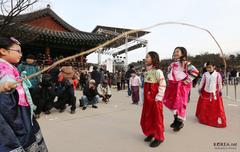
<point>114,127</point>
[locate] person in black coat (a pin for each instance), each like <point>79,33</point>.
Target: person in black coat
<point>96,75</point>
<point>127,77</point>
<point>43,95</point>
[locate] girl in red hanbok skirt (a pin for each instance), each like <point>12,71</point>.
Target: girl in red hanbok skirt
<point>210,110</point>
<point>152,112</point>
<point>180,76</point>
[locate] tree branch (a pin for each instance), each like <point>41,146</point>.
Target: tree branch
<point>16,8</point>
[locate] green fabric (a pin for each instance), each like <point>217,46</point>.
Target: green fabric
<point>26,85</point>
<point>151,76</point>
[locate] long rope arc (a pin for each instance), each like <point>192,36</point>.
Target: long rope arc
<point>124,35</point>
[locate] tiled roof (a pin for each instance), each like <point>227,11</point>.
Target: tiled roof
<point>71,36</point>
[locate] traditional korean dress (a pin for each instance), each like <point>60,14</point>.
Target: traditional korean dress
<point>152,112</point>
<point>210,109</point>
<point>19,131</point>
<point>135,83</point>
<point>176,95</point>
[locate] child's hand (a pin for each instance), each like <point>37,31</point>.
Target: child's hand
<point>7,86</point>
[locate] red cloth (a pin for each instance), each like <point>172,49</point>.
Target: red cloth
<point>75,83</point>
<point>152,113</point>
<point>176,97</point>
<point>60,77</point>
<point>210,111</point>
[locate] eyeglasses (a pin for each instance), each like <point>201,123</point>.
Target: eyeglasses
<point>19,51</point>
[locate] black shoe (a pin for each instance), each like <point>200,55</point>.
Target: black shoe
<point>84,108</point>
<point>47,112</point>
<point>155,143</point>
<point>94,106</point>
<point>73,112</point>
<point>148,138</point>
<point>179,125</point>
<point>174,122</point>
<point>37,116</point>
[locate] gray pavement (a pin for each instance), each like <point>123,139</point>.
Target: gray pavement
<point>114,127</point>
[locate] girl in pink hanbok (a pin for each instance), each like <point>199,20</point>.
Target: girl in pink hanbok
<point>180,75</point>
<point>19,130</point>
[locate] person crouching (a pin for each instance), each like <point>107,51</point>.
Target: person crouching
<point>90,95</point>
<point>104,91</point>
<point>66,90</point>
<point>43,95</point>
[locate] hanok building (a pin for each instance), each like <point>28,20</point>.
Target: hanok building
<point>46,35</point>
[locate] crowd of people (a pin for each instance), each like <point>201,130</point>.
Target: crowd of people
<point>233,76</point>
<point>57,89</point>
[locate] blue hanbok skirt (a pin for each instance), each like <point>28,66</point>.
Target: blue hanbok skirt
<point>18,133</point>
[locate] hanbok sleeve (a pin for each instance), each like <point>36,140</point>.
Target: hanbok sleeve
<point>162,85</point>
<point>203,81</point>
<point>5,77</point>
<point>192,71</point>
<point>219,81</point>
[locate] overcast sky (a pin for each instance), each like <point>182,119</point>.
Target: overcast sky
<point>221,17</point>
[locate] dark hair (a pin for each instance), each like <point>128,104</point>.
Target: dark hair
<point>184,53</point>
<point>143,70</point>
<point>133,72</point>
<point>155,59</point>
<point>131,66</point>
<point>95,68</point>
<point>30,56</point>
<point>210,63</point>
<point>5,42</point>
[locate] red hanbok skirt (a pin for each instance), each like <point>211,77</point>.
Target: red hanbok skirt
<point>209,111</point>
<point>176,97</point>
<point>152,113</point>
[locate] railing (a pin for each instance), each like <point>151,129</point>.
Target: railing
<point>231,89</point>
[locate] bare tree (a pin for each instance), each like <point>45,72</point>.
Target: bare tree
<point>10,9</point>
